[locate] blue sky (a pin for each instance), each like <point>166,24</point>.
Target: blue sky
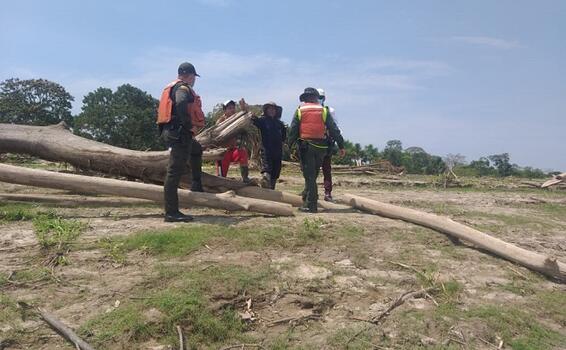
<point>471,77</point>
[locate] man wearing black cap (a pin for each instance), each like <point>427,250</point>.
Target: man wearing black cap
<point>311,123</point>
<point>273,134</point>
<point>180,118</point>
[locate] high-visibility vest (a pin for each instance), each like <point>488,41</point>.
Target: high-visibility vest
<point>312,118</point>
<point>194,109</point>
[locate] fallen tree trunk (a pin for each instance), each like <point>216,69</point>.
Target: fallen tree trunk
<point>73,200</point>
<point>56,143</point>
<point>227,201</point>
<point>555,180</point>
<point>534,261</point>
<point>217,135</point>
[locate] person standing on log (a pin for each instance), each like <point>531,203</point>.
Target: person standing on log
<point>273,133</point>
<point>235,152</point>
<point>309,127</point>
<point>327,160</point>
<point>180,118</point>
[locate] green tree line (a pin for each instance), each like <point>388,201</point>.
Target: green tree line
<point>126,118</point>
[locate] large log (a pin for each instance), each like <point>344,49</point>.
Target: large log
<point>546,265</point>
<point>72,200</point>
<point>556,179</point>
<point>56,143</point>
<point>227,201</point>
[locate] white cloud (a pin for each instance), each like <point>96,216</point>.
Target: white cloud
<point>351,84</point>
<point>488,41</point>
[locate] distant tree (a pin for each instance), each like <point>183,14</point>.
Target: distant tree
<point>393,152</point>
<point>34,102</point>
<point>481,167</point>
<point>350,156</point>
<point>532,173</point>
<point>453,160</point>
<point>435,166</point>
<point>502,164</point>
<point>124,118</point>
<point>371,153</point>
<point>414,162</point>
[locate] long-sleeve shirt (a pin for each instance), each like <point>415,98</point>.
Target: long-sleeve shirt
<point>331,128</point>
<point>273,134</point>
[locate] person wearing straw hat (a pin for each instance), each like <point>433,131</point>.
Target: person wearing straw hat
<point>273,133</point>
<point>309,127</point>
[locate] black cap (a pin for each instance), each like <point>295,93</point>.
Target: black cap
<point>187,68</point>
<point>310,91</point>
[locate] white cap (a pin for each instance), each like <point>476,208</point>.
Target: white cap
<point>226,103</point>
<point>321,92</point>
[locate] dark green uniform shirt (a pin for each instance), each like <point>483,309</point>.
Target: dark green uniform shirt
<point>182,96</point>
<point>331,128</point>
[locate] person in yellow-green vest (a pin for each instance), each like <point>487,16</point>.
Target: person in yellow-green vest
<point>309,128</point>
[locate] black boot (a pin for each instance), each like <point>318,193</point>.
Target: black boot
<point>245,171</point>
<point>328,196</point>
<point>265,180</point>
<point>178,217</point>
<point>308,210</point>
<point>196,186</point>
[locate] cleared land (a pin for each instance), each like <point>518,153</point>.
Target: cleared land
<point>124,279</point>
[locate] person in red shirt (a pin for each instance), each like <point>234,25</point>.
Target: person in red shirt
<point>235,152</point>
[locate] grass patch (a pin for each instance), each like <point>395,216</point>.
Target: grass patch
<point>184,240</point>
<point>134,322</point>
<point>114,250</point>
<point>217,280</point>
<point>8,310</point>
<point>21,212</point>
<point>168,243</point>
<point>519,287</point>
<point>517,328</point>
<point>56,231</point>
<point>352,338</point>
<point>310,230</point>
<point>554,305</point>
<point>55,235</point>
<point>182,297</point>
<point>31,275</point>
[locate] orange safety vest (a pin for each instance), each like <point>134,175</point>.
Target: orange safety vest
<point>312,117</point>
<point>194,109</point>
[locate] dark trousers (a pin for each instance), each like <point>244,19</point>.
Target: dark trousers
<point>196,162</point>
<point>271,164</point>
<point>179,144</point>
<point>327,173</point>
<point>311,161</point>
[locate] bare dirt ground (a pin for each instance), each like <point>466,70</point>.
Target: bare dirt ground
<point>304,282</point>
